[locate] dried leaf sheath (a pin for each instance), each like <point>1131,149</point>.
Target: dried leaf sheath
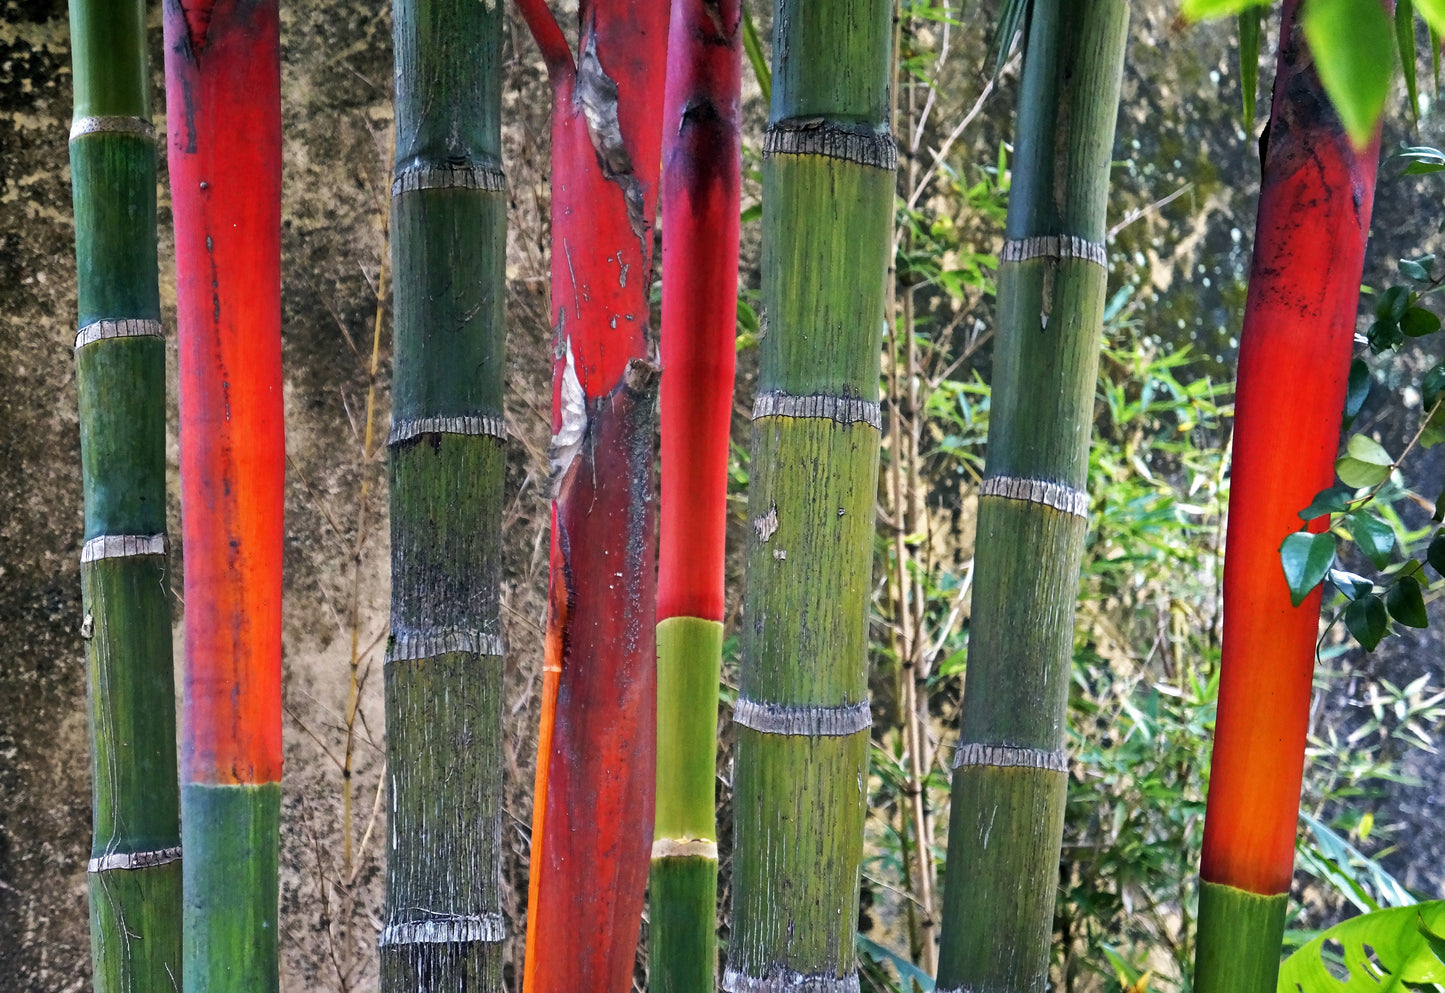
<point>444,926</point>
<point>1316,193</point>
<point>135,870</point>
<point>802,715</point>
<point>1010,770</point>
<point>700,203</point>
<point>224,146</point>
<point>593,805</point>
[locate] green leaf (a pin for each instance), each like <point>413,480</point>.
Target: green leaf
<point>1012,21</point>
<point>1406,603</point>
<point>1365,618</point>
<point>1418,322</point>
<point>1405,38</point>
<point>1352,45</point>
<point>1435,58</point>
<point>907,971</point>
<point>1432,385</point>
<point>1432,938</point>
<point>754,47</point>
<point>1306,558</point>
<point>1393,303</point>
<point>1351,585</point>
<point>1417,269</point>
<point>1435,554</point>
<point>1199,10</point>
<point>1434,13</point>
<point>1439,514</point>
<point>1357,392</point>
<point>1434,430</point>
<point>1249,33</point>
<point>1366,449</point>
<point>1422,159</point>
<point>1373,536</point>
<point>1335,500</point>
<point>1364,464</point>
<point>1396,937</point>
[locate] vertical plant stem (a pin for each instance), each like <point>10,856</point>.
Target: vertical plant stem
<point>443,671</point>
<point>134,874</point>
<point>223,88</point>
<point>1316,194</point>
<point>701,200</point>
<point>802,714</point>
<point>593,807</point>
<point>1010,770</point>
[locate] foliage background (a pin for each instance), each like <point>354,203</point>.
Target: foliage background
<point>1148,623</point>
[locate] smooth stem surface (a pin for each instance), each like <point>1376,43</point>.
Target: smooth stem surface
<point>1316,194</point>
<point>1010,771</point>
<point>223,68</point>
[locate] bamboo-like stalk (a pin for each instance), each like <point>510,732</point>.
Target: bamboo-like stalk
<point>700,202</point>
<point>593,803</point>
<point>1316,193</point>
<point>1010,770</point>
<point>135,870</point>
<point>444,925</point>
<point>223,91</point>
<point>802,714</point>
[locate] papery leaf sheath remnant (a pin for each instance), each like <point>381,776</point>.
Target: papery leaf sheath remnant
<point>593,803</point>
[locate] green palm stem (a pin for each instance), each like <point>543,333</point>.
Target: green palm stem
<point>802,714</point>
<point>1010,773</point>
<point>444,926</point>
<point>135,869</point>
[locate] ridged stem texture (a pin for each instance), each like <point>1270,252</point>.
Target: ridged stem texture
<point>700,204</point>
<point>444,926</point>
<point>1316,193</point>
<point>802,714</point>
<point>135,868</point>
<point>1010,770</point>
<point>223,94</point>
<point>593,803</point>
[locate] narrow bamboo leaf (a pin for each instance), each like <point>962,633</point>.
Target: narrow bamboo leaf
<point>907,971</point>
<point>1335,500</point>
<point>1435,554</point>
<point>1351,43</point>
<point>1249,20</point>
<point>1392,942</point>
<point>1012,19</point>
<point>1434,13</point>
<point>1373,536</point>
<point>1405,39</point>
<point>1365,618</point>
<point>1406,603</point>
<point>1357,391</point>
<point>1418,322</point>
<point>754,48</point>
<point>1306,558</point>
<point>1201,10</point>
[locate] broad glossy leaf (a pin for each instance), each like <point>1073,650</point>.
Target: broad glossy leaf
<point>1335,500</point>
<point>1418,322</point>
<point>1306,558</point>
<point>1355,473</point>
<point>1432,386</point>
<point>1373,536</point>
<point>1366,619</point>
<point>1406,603</point>
<point>1417,269</point>
<point>1351,585</point>
<point>1353,48</point>
<point>1435,554</point>
<point>1363,448</point>
<point>1395,938</point>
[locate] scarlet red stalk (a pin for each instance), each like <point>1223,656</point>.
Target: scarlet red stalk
<point>223,94</point>
<point>1299,325</point>
<point>592,820</point>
